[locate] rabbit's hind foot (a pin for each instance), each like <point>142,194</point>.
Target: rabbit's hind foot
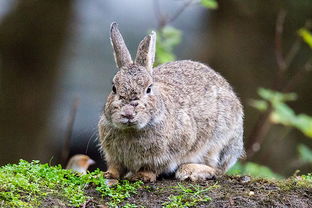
<point>195,172</point>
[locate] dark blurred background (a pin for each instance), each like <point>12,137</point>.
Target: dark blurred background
<point>55,54</point>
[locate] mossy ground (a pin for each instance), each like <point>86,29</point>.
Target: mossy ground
<point>39,185</point>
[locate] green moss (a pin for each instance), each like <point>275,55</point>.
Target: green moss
<point>295,182</point>
<point>40,185</point>
<point>30,184</point>
<point>189,196</point>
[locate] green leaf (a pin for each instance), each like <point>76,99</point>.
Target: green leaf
<point>167,38</point>
<point>305,153</point>
<point>283,114</point>
<point>306,35</point>
<point>163,56</point>
<point>304,124</point>
<point>274,96</point>
<point>210,4</point>
<point>260,105</point>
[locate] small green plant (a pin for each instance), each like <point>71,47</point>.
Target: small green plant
<point>307,178</point>
<point>189,196</point>
<point>295,182</point>
<point>127,205</point>
<point>305,153</point>
<point>120,192</point>
<point>167,38</point>
<point>28,184</point>
<point>253,169</point>
<point>281,112</point>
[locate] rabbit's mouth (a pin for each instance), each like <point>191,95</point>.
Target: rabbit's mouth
<point>136,122</point>
<point>128,123</point>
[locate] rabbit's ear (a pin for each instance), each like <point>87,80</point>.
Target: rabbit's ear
<point>121,53</point>
<point>146,52</point>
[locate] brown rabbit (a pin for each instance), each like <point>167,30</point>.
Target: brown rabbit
<point>180,117</point>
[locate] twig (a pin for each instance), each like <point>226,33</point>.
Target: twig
<point>263,124</point>
<point>69,130</point>
<point>257,134</point>
<point>162,19</point>
<point>290,56</point>
<point>297,77</point>
<point>281,64</point>
<point>293,52</point>
<point>180,11</point>
<point>86,203</point>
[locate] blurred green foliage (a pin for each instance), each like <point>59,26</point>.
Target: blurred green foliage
<point>253,169</point>
<point>167,38</point>
<point>210,4</point>
<point>189,196</point>
<point>281,112</point>
<point>305,153</point>
<point>306,35</point>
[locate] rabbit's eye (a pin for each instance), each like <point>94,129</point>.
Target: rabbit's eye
<point>114,89</point>
<point>149,89</point>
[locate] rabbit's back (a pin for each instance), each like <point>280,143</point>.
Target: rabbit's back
<point>192,84</point>
<point>190,73</point>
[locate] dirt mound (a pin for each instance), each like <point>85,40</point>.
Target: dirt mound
<point>227,191</point>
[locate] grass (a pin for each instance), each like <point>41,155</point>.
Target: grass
<point>189,196</point>
<point>28,184</point>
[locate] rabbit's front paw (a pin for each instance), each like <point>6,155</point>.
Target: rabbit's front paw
<point>145,176</point>
<point>112,173</point>
<point>195,172</point>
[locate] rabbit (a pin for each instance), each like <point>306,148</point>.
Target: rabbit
<point>181,117</point>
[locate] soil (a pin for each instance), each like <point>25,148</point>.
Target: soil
<point>232,191</point>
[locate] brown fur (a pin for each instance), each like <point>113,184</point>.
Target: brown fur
<point>191,116</point>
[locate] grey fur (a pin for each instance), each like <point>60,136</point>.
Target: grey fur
<point>191,116</point>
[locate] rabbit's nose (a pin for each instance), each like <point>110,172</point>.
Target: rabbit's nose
<point>134,103</point>
<point>129,114</point>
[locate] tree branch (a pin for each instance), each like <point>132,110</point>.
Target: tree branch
<point>162,19</point>
<point>263,124</point>
<point>281,64</point>
<point>295,79</point>
<point>180,11</point>
<point>256,137</point>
